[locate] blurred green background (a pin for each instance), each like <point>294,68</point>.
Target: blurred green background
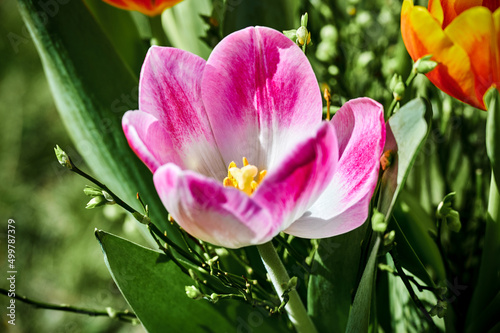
<point>58,259</point>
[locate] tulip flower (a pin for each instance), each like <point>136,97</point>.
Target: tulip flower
<point>463,36</point>
<point>238,148</point>
<point>148,7</point>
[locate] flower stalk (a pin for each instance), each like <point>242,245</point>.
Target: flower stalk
<point>279,277</point>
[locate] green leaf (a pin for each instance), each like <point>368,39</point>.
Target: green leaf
<point>492,100</point>
<point>359,318</point>
<point>406,133</point>
<point>184,26</point>
<point>92,88</point>
<point>334,276</point>
<point>121,30</point>
<point>417,250</point>
<point>154,287</point>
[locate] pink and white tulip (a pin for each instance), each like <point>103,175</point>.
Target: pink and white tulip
<point>255,97</point>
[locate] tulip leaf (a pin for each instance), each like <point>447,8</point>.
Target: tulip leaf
<point>120,29</point>
<point>154,287</point>
<point>492,100</point>
<point>92,89</point>
<point>359,317</point>
<point>334,275</point>
<point>406,133</point>
<point>184,26</point>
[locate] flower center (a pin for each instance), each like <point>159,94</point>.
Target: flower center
<point>243,179</point>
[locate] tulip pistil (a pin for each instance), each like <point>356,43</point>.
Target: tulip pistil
<point>244,179</point>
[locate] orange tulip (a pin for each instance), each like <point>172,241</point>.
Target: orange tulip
<point>148,7</point>
<point>463,36</point>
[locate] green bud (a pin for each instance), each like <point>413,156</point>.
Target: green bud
<point>303,20</point>
<point>92,191</point>
<point>214,297</point>
<point>424,65</point>
<point>399,91</point>
<point>389,238</point>
<point>378,221</point>
<point>193,292</point>
<point>387,268</point>
<point>108,197</point>
<point>444,206</point>
<point>96,202</point>
<point>303,36</point>
<point>63,158</point>
<point>111,312</point>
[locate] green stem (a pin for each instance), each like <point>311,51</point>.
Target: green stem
<point>158,36</point>
<point>126,316</point>
<point>279,277</point>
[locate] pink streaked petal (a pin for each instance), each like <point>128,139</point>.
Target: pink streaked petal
<point>361,135</point>
<point>261,96</point>
<point>207,210</point>
<point>301,177</point>
<point>149,140</point>
<point>170,90</point>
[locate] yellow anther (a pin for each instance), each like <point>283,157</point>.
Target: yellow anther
<point>262,174</point>
<point>244,178</point>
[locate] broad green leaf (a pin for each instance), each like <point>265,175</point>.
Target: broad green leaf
<point>92,88</point>
<point>154,287</point>
<point>417,250</point>
<point>120,29</point>
<point>277,14</point>
<point>492,100</point>
<point>334,276</point>
<point>184,26</point>
<point>359,317</point>
<point>488,282</point>
<point>406,133</point>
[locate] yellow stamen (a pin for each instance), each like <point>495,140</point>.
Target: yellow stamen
<point>243,179</point>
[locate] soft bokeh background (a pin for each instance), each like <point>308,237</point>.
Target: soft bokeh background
<point>58,260</point>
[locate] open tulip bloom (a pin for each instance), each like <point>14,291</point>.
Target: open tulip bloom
<point>463,36</point>
<point>238,148</point>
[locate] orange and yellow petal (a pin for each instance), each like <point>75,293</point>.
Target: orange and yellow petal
<point>148,7</point>
<point>423,35</point>
<point>474,31</point>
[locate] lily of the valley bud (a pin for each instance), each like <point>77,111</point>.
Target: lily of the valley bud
<point>378,221</point>
<point>424,65</point>
<point>398,87</point>
<point>447,213</point>
<point>63,158</point>
<point>193,292</point>
<point>99,197</point>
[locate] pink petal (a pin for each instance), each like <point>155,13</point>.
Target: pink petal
<point>207,210</point>
<point>303,175</point>
<point>170,90</point>
<point>261,96</point>
<point>344,205</point>
<point>149,140</point>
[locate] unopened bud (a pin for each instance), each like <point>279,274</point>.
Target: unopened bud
<point>424,65</point>
<point>378,221</point>
<point>96,202</point>
<point>214,297</point>
<point>193,292</point>
<point>63,158</point>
